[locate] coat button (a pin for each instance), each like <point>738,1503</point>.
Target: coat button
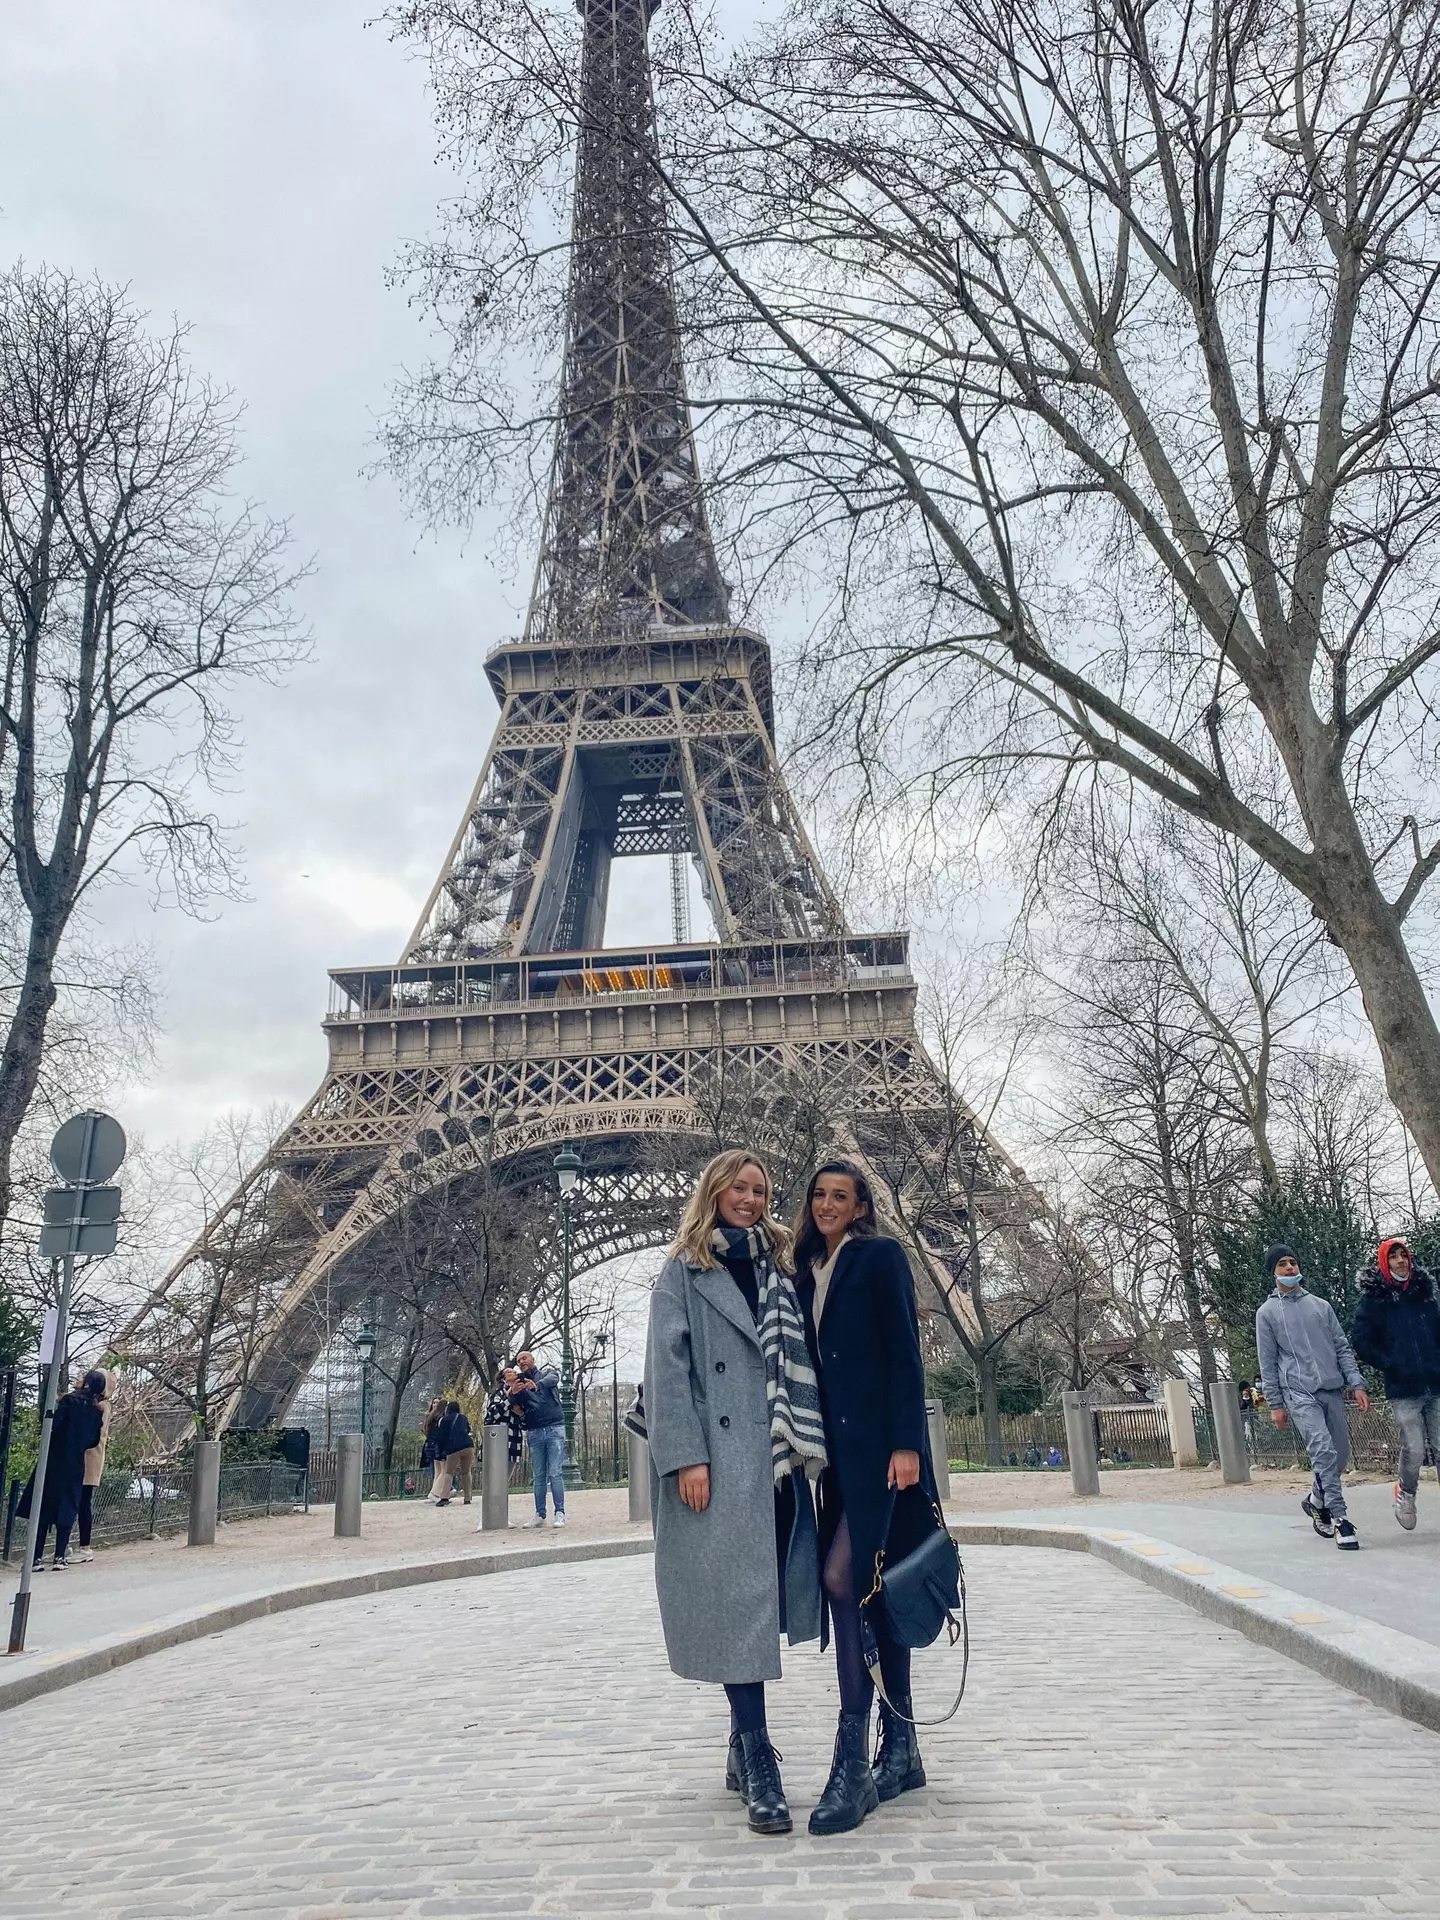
<point>724,1419</point>
<point>719,1366</point>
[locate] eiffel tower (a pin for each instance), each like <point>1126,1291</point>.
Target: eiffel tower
<point>635,718</point>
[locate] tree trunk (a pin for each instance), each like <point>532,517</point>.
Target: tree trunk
<point>1396,1005</point>
<point>986,1372</point>
<point>24,1051</point>
<point>1197,1323</point>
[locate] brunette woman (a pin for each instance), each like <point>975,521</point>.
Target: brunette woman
<point>859,1301</point>
<point>735,1439</point>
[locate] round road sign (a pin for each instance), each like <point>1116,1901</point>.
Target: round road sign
<point>107,1148</point>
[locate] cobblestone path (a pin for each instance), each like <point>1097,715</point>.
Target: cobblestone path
<point>517,1746</point>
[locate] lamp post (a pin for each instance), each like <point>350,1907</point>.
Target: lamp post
<point>568,1167</point>
<point>365,1347</point>
<point>615,1391</point>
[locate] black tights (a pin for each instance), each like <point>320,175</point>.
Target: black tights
<point>856,1688</point>
<point>747,1705</point>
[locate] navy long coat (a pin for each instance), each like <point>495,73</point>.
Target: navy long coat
<point>872,1395</point>
<point>74,1429</point>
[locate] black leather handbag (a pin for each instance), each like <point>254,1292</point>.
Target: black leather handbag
<point>918,1596</point>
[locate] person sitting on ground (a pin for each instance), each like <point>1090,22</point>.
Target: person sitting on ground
<point>74,1429</point>
<point>537,1395</point>
<point>1054,1458</point>
<point>1306,1364</point>
<point>1397,1331</point>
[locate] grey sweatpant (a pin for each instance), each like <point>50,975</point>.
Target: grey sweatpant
<point>1320,1422</point>
<point>1418,1424</point>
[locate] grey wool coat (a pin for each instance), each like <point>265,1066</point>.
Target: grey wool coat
<point>715,1572</point>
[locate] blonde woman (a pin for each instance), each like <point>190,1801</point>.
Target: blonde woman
<point>736,1439</point>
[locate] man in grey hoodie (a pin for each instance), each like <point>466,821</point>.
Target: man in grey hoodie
<point>1306,1364</point>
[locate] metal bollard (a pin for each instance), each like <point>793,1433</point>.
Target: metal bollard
<point>939,1447</point>
<point>495,1478</point>
<point>639,1477</point>
<point>349,1469</point>
<point>1229,1431</point>
<point>204,1493</point>
<point>1080,1441</point>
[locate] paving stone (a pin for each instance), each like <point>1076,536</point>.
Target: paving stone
<point>286,1770</point>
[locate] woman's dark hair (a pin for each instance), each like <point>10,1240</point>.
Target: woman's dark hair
<point>809,1241</point>
<point>94,1384</point>
<point>452,1406</point>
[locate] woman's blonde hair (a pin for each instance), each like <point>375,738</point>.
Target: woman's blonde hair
<point>702,1210</point>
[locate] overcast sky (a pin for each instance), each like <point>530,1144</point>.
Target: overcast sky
<point>253,167</point>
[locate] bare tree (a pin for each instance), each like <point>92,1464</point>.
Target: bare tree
<point>206,1330</point>
<point>132,595</point>
<point>1091,349</point>
<point>1162,1150</point>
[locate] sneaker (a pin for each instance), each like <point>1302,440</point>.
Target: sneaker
<point>88,1553</point>
<point>1404,1508</point>
<point>538,1521</point>
<point>559,1519</point>
<point>442,1503</point>
<point>1346,1537</point>
<point>58,1566</point>
<point>1319,1518</point>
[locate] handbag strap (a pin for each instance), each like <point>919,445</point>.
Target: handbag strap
<point>957,1629</point>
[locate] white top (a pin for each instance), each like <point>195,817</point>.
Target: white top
<point>823,1275</point>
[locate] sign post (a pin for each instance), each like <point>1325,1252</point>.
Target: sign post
<point>80,1223</point>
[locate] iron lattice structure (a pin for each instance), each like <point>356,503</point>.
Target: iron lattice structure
<point>635,718</point>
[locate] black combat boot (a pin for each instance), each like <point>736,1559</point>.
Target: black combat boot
<point>760,1782</point>
<point>850,1791</point>
<point>898,1768</point>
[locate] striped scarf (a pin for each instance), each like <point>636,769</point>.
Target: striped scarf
<point>797,1433</point>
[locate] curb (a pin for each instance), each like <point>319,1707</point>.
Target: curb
<point>65,1667</point>
<point>1392,1669</point>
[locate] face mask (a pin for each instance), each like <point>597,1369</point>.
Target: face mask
<point>1289,1281</point>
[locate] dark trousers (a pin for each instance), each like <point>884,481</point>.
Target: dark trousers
<point>87,1514</point>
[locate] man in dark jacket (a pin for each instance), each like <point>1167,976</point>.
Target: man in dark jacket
<point>536,1393</point>
<point>1397,1331</point>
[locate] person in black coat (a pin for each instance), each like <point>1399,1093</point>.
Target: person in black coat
<point>1397,1331</point>
<point>455,1451</point>
<point>877,1492</point>
<point>74,1429</point>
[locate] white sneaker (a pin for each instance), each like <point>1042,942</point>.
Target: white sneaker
<point>1404,1507</point>
<point>83,1553</point>
<point>58,1566</point>
<point>559,1519</point>
<point>538,1521</point>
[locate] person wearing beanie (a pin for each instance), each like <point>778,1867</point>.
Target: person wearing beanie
<point>1306,1365</point>
<point>1397,1331</point>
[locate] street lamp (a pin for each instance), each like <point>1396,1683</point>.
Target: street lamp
<point>365,1347</point>
<point>568,1168</point>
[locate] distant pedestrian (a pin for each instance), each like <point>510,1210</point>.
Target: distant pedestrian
<point>94,1472</point>
<point>537,1395</point>
<point>1247,1415</point>
<point>500,1411</point>
<point>74,1429</point>
<point>430,1454</point>
<point>1054,1458</point>
<point>1397,1330</point>
<point>1306,1364</point>
<point>455,1444</point>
